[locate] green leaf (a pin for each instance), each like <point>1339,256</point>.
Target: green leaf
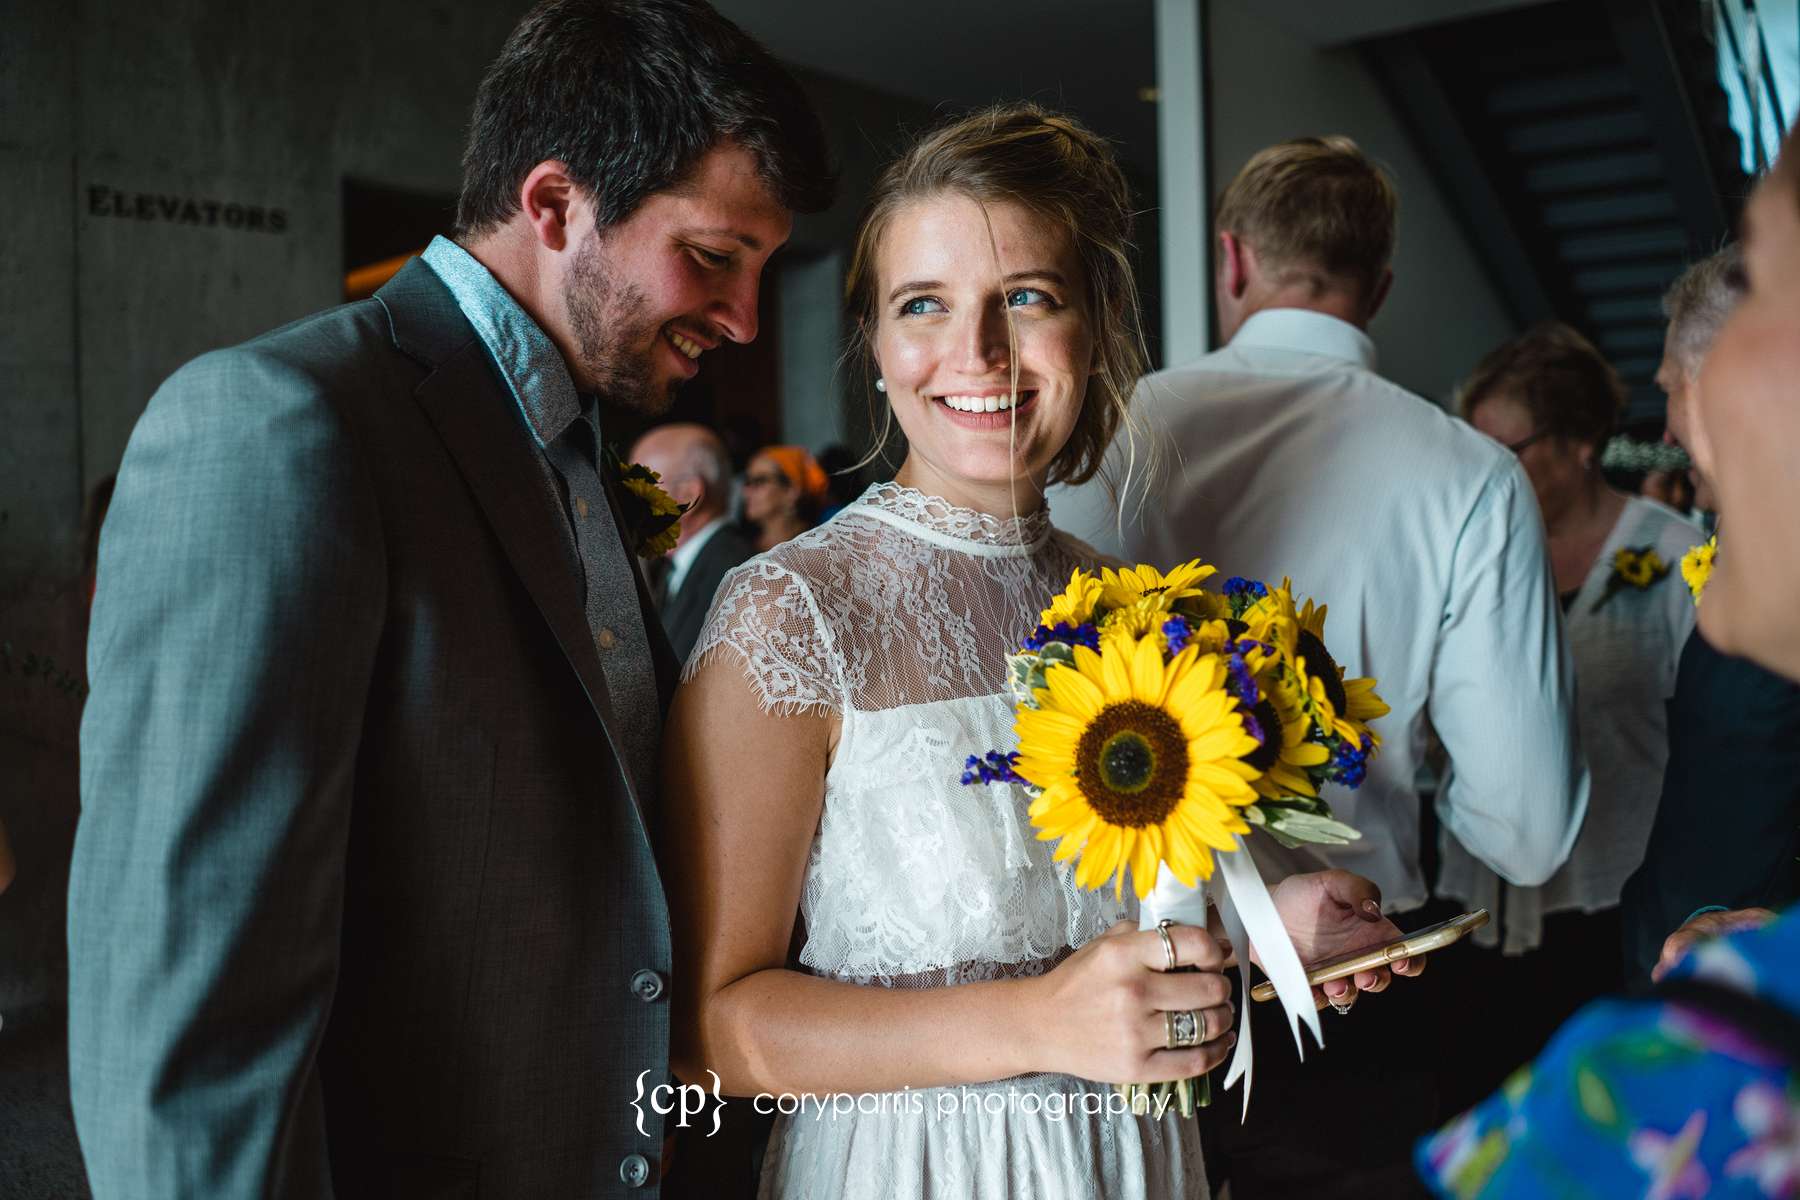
<point>1024,676</point>
<point>1310,827</point>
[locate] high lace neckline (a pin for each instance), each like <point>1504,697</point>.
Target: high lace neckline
<point>937,520</point>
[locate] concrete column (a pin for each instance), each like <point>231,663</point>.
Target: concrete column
<point>812,338</point>
<point>1182,180</point>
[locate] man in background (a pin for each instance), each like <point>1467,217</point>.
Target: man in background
<point>1286,454</point>
<point>1727,828</point>
<point>696,471</point>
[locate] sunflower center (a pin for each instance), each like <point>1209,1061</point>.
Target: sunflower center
<point>1268,719</point>
<point>1127,762</point>
<point>1321,664</point>
<point>1132,764</point>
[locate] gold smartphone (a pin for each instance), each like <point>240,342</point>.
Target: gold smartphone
<point>1422,941</point>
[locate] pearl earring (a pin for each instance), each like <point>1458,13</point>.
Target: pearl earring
<point>881,385</point>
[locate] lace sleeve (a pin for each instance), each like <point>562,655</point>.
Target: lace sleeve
<point>766,617</point>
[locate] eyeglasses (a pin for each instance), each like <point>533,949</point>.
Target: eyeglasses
<point>1518,447</point>
<point>774,479</point>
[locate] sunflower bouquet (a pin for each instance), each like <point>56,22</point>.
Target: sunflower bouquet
<point>1160,724</point>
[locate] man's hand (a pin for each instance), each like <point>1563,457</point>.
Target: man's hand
<point>1332,913</point>
<point>1707,925</point>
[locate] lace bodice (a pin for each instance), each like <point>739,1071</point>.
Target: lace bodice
<point>896,617</point>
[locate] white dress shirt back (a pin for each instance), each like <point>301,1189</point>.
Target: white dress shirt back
<point>1284,454</point>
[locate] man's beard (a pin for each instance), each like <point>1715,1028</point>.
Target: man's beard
<point>609,322</point>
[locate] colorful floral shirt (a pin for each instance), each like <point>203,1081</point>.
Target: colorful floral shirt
<point>1645,1097</point>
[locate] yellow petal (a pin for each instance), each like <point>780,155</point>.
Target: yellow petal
<point>1074,693</point>
<point>1147,672</point>
<point>1306,754</point>
<point>1115,673</point>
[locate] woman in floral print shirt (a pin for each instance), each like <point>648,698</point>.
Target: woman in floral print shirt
<point>1657,1098</point>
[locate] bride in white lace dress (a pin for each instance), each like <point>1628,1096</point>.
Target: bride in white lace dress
<point>954,990</point>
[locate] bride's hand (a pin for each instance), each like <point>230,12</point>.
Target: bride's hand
<point>1099,1014</point>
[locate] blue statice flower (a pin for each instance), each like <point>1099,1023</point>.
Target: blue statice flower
<point>1237,586</point>
<point>1350,762</point>
<point>1244,645</point>
<point>994,767</point>
<point>1177,632</point>
<point>1085,634</point>
<point>1254,728</point>
<point>1241,683</point>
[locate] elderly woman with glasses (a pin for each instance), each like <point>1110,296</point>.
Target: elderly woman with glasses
<point>1550,397</point>
<point>784,487</point>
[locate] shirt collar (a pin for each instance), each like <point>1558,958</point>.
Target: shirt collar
<point>533,368</point>
<point>682,557</point>
<point>1308,332</point>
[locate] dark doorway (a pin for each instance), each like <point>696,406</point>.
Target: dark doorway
<point>383,227</point>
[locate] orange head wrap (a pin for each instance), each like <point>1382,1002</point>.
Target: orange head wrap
<point>801,468</point>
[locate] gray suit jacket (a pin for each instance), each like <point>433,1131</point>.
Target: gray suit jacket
<point>363,899</point>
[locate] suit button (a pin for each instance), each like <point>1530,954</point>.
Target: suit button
<point>635,1170</point>
<point>607,639</point>
<point>581,508</point>
<point>647,985</point>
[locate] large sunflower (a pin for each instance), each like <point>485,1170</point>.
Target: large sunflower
<point>1127,586</point>
<point>1140,762</point>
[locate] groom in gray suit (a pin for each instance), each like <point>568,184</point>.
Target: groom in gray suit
<point>364,901</point>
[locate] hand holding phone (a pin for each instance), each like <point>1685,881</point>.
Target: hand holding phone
<point>1413,945</point>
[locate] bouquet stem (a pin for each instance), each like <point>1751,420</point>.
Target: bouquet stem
<point>1186,1095</point>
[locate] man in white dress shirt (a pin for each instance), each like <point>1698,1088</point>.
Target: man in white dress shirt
<point>1285,454</point>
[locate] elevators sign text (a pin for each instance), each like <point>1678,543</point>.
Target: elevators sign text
<point>105,201</point>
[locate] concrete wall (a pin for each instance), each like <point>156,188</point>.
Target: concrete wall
<point>172,176</point>
<point>1268,85</point>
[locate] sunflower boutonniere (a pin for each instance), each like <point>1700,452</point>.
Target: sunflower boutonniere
<point>1638,568</point>
<point>1697,566</point>
<point>651,517</point>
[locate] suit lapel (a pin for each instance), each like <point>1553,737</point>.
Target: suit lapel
<point>484,433</point>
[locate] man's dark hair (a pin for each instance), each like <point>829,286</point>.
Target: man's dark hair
<point>630,94</point>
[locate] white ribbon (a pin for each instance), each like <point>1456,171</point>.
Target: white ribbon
<point>1250,921</point>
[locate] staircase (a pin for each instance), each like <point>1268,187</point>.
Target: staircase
<point>1568,136</point>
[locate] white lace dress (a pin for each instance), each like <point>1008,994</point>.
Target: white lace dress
<point>896,617</point>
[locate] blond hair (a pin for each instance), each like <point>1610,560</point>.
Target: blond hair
<point>1315,208</point>
<point>1053,166</point>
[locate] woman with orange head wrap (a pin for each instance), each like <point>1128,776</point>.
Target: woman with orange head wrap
<point>784,488</point>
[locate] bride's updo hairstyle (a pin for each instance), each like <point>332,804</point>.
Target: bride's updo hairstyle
<point>1057,168</point>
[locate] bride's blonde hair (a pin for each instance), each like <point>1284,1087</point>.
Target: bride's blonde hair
<point>1057,168</point>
